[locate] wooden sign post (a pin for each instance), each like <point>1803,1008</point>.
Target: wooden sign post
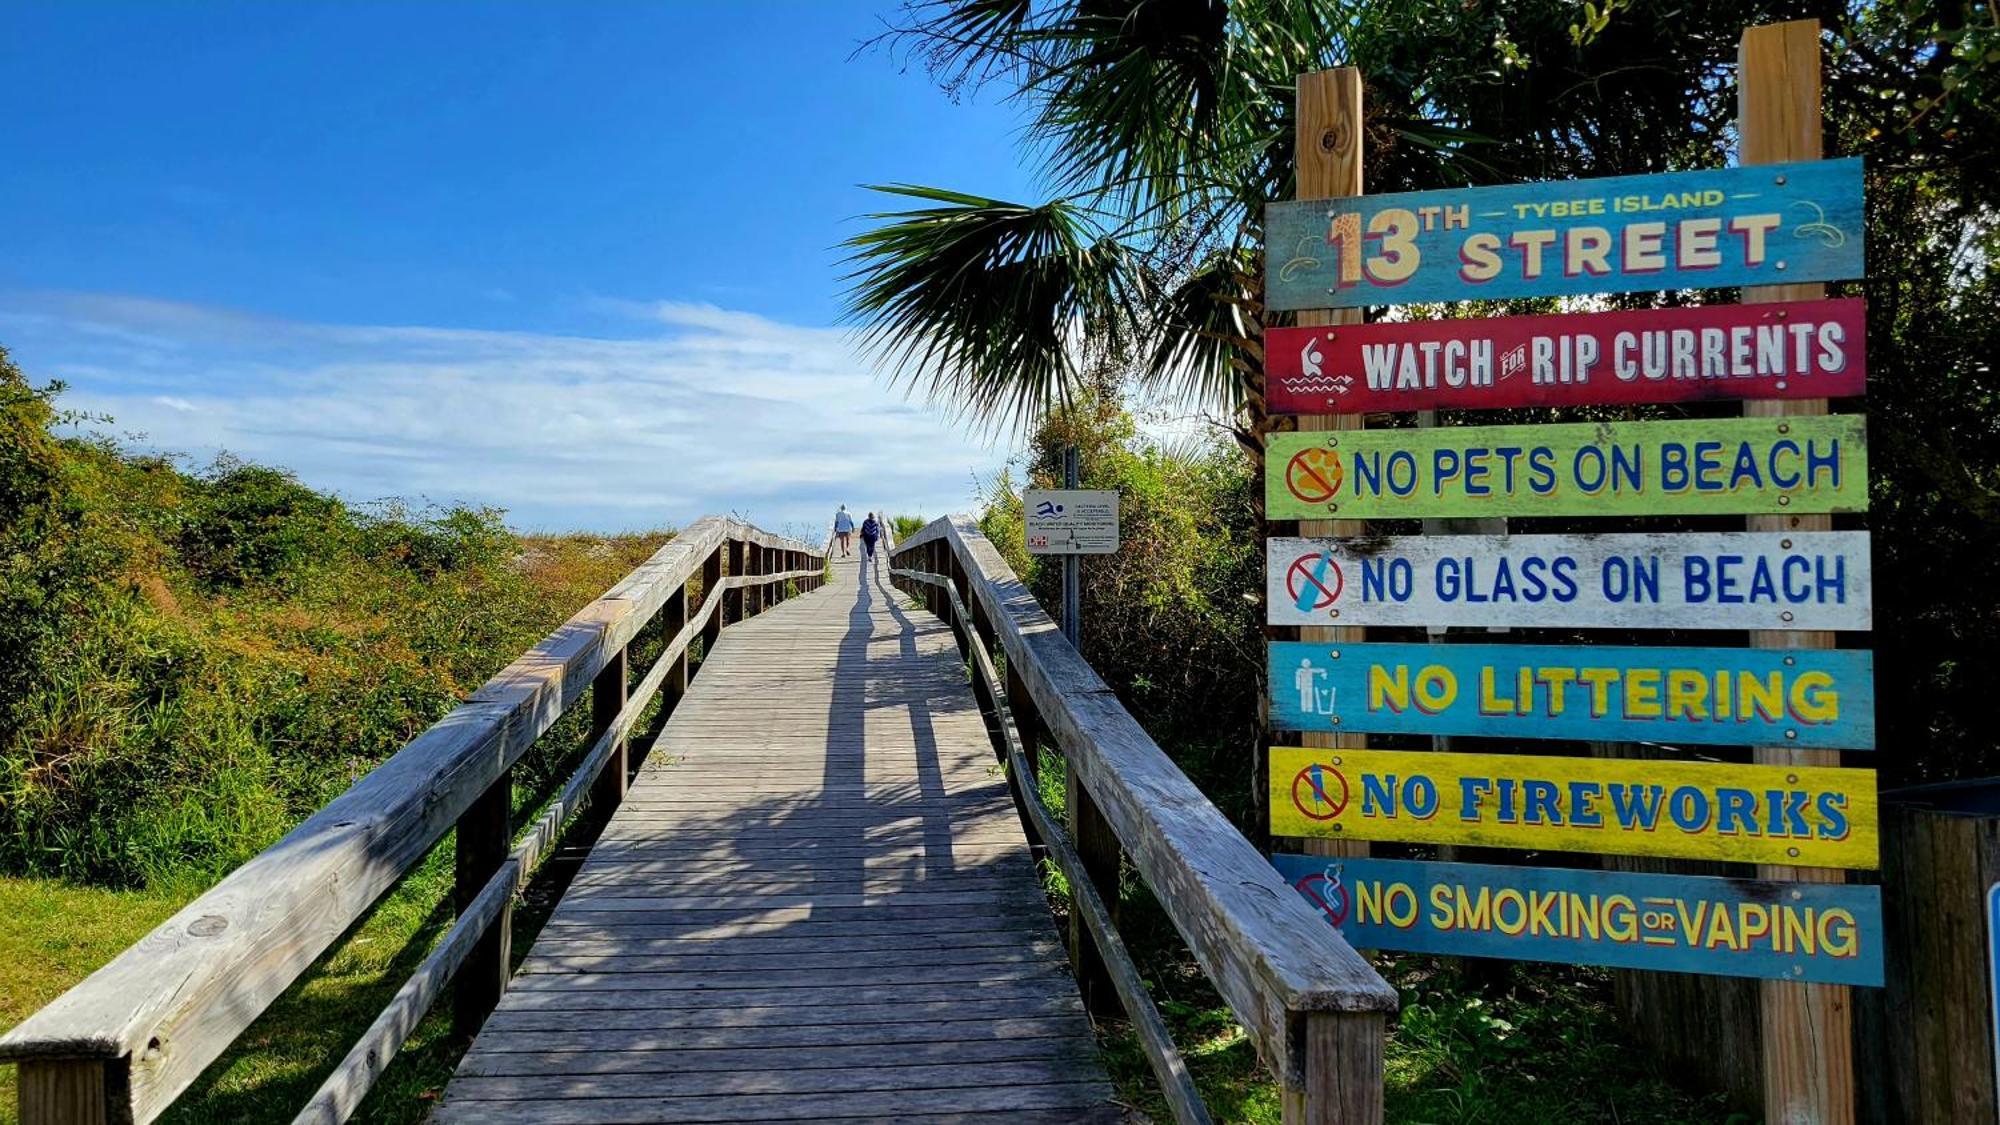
<point>1807,1028</point>
<point>1328,152</point>
<point>1328,147</point>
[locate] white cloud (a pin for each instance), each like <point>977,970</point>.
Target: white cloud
<point>723,411</point>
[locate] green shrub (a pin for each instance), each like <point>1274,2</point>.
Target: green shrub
<point>191,662</point>
<point>1166,620</point>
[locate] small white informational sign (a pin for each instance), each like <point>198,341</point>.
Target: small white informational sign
<point>1071,521</point>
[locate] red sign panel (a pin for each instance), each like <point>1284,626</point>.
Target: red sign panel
<point>1798,349</point>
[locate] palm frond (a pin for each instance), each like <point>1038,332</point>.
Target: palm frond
<point>996,310</point>
<point>1168,103</point>
<point>1202,338</point>
<point>965,43</point>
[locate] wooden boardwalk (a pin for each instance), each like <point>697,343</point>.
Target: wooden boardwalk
<point>816,902</point>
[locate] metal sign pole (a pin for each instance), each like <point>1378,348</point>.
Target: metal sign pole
<point>1072,611</point>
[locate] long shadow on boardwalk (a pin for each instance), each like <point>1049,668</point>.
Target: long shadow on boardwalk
<point>816,902</point>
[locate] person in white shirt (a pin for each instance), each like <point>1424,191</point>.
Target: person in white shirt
<point>843,530</point>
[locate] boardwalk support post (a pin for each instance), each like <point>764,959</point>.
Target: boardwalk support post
<point>608,693</point>
<point>732,599</point>
<point>485,833</point>
<point>71,1091</point>
<point>1097,846</point>
<point>673,618</point>
<point>1026,720</point>
<point>1343,1070</point>
<point>711,582</point>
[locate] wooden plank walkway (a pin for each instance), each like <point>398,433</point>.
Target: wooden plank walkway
<point>815,903</point>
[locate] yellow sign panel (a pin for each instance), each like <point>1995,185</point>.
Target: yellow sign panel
<point>1801,815</point>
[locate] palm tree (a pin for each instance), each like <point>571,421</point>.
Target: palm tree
<point>1163,126</point>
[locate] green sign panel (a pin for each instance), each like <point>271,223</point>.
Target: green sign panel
<point>1715,466</point>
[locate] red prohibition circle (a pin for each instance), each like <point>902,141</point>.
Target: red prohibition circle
<point>1314,797</point>
<point>1303,576</point>
<point>1328,896</point>
<point>1314,475</point>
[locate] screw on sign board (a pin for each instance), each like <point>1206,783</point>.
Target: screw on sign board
<point>1768,225</point>
<point>1712,580</point>
<point>1804,349</point>
<point>1824,933</point>
<point>1070,521</point>
<point>1713,466</point>
<point>1698,696</point>
<point>1806,816</point>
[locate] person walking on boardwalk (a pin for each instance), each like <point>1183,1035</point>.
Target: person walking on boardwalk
<point>870,532</point>
<point>843,530</point>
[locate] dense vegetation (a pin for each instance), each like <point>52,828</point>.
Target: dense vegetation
<point>1166,620</point>
<point>190,661</point>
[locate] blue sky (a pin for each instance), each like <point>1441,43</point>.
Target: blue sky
<point>575,260</point>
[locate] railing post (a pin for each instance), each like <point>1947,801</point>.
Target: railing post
<point>1097,846</point>
<point>608,693</point>
<point>674,618</point>
<point>71,1091</point>
<point>1027,720</point>
<point>485,832</point>
<point>1343,1071</point>
<point>732,600</point>
<point>933,596</point>
<point>711,588</point>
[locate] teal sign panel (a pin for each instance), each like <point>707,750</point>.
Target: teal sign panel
<point>1993,968</point>
<point>1768,224</point>
<point>1708,696</point>
<point>1828,933</point>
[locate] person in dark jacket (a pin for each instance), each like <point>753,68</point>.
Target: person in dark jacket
<point>870,532</point>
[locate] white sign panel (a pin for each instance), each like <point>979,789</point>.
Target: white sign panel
<point>1071,522</point>
<point>1721,580</point>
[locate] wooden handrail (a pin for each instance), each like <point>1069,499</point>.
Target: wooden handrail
<point>1315,1008</point>
<point>122,1044</point>
<point>1154,1038</point>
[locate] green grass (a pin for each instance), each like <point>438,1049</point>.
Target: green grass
<point>53,935</point>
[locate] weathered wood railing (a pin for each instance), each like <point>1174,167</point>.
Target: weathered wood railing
<point>120,1046</point>
<point>1315,1008</point>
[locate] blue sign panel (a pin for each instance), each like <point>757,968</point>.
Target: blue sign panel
<point>1767,224</point>
<point>1993,969</point>
<point>1710,696</point>
<point>1828,933</point>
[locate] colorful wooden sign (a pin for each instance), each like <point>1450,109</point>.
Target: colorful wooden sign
<point>1819,932</point>
<point>1764,225</point>
<point>1712,580</point>
<point>1806,816</point>
<point>1712,466</point>
<point>1805,349</point>
<point>1720,696</point>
